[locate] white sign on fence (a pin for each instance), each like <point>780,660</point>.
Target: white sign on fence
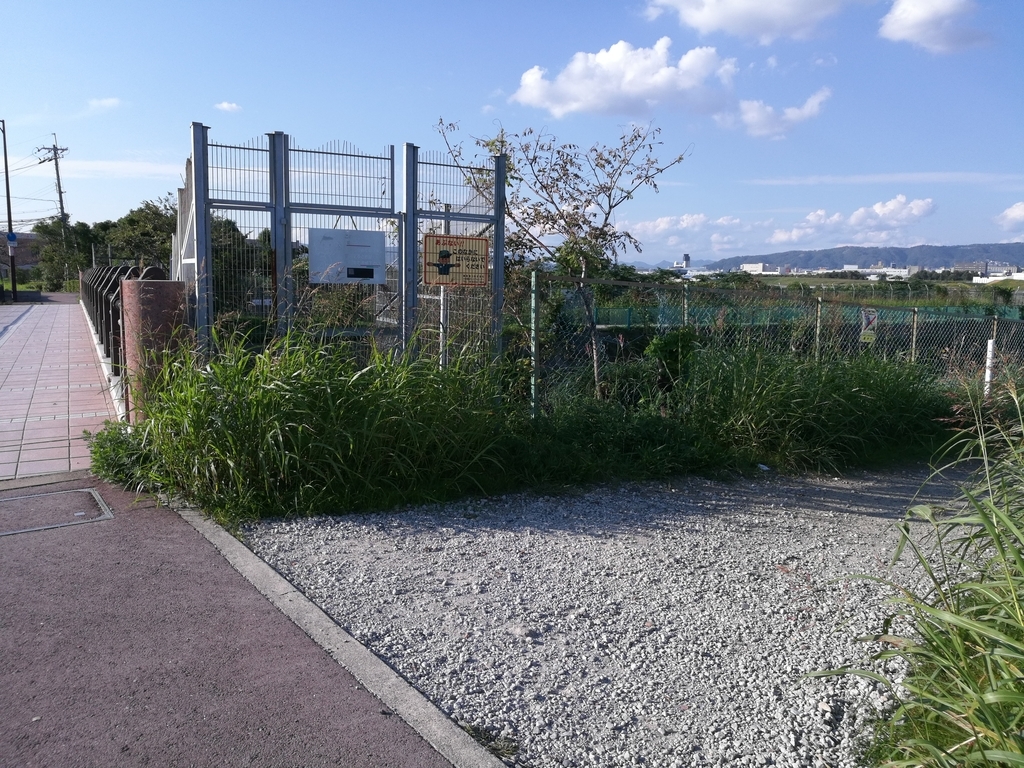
<point>868,325</point>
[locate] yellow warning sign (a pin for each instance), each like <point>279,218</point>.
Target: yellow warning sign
<point>454,260</point>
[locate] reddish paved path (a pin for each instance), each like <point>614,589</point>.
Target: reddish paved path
<point>51,388</point>
<point>131,642</point>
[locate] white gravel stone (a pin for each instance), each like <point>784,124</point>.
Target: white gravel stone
<point>658,624</point>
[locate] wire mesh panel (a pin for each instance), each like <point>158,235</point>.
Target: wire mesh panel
<point>240,173</point>
<point>339,187</point>
<point>445,187</point>
<point>249,226</point>
<point>357,311</point>
<point>340,175</point>
<point>734,318</point>
<point>1010,338</point>
<point>950,342</point>
<point>457,201</point>
<point>242,269</point>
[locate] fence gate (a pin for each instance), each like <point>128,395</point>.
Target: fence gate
<point>271,235</point>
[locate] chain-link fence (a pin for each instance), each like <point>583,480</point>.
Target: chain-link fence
<point>599,336</point>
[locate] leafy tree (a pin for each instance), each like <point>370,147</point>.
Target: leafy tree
<point>60,257</point>
<point>144,233</point>
<point>739,280</point>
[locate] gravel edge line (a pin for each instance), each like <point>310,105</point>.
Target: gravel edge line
<point>378,678</point>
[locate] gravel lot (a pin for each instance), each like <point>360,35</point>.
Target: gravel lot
<point>663,624</point>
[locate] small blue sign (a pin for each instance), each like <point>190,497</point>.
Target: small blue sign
<point>12,237</point>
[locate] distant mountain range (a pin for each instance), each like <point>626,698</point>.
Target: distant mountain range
<point>924,256</point>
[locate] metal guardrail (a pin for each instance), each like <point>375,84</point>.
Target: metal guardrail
<point>101,294</point>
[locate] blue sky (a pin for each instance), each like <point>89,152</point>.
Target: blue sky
<point>806,123</point>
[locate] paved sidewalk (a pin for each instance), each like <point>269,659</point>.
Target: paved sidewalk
<point>51,389</point>
<point>126,638</point>
<point>130,641</point>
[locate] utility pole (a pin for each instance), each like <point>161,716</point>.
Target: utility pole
<point>10,222</point>
<point>54,154</point>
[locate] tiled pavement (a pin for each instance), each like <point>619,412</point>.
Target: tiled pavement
<point>51,389</point>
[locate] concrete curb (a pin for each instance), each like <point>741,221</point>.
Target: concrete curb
<point>377,677</point>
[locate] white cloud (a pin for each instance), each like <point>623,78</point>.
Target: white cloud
<point>892,214</point>
<point>227,106</point>
<point>1012,217</point>
<point>877,224</point>
<point>935,25</point>
<point>727,221</point>
<point>666,224</point>
<point>622,79</point>
<point>812,225</point>
<point>720,242</point>
<point>764,20</point>
<point>102,105</point>
<point>762,120</point>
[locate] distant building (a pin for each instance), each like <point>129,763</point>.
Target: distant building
<point>682,266</point>
<point>981,267</point>
<point>759,269</point>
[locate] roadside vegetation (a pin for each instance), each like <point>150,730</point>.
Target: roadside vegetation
<point>305,427</point>
<point>959,640</point>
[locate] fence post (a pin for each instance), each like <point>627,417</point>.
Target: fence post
<point>995,326</point>
<point>817,332</point>
<point>534,344</point>
<point>498,274</point>
<point>201,233</point>
<point>410,244</point>
<point>913,337</point>
<point>280,228</point>
<point>442,330</point>
<point>990,364</point>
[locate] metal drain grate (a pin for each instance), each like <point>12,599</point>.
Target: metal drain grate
<point>41,511</point>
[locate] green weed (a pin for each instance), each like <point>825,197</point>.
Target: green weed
<point>961,701</point>
<point>310,425</point>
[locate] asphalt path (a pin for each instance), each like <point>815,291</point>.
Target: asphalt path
<point>130,641</point>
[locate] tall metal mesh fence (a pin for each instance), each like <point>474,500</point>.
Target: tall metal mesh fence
<point>596,336</point>
<point>241,253</point>
<point>249,213</point>
<point>330,186</point>
<point>454,320</point>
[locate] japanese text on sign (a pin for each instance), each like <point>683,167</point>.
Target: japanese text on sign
<point>454,260</point>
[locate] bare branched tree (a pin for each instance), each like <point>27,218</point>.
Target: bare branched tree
<point>562,200</point>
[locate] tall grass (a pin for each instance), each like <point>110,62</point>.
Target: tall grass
<point>304,427</point>
<point>794,413</point>
<point>961,701</point>
<point>310,427</point>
